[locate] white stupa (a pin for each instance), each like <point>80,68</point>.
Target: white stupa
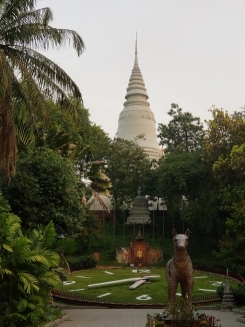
<point>136,121</point>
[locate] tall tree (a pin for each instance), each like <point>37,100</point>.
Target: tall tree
<point>46,187</point>
<point>26,75</point>
<point>221,146</point>
<point>230,173</point>
<point>127,167</point>
<point>184,132</point>
<point>223,132</point>
<point>180,179</point>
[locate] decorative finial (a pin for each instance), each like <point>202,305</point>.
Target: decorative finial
<point>136,45</point>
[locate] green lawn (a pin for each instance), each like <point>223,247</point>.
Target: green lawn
<point>157,289</point>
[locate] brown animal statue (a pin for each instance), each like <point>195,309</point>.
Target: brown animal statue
<point>179,269</point>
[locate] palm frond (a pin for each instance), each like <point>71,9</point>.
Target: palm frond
<point>24,136</point>
<point>12,225</point>
<point>66,245</point>
<point>49,235</point>
<point>4,271</point>
<point>37,239</point>
<point>46,257</point>
<point>50,278</point>
<point>4,206</point>
<point>22,304</point>
<point>28,76</point>
<point>7,247</point>
<point>30,282</point>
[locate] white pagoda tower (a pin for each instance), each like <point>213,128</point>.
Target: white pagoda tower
<point>136,121</point>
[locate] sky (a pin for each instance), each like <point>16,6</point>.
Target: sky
<point>190,52</point>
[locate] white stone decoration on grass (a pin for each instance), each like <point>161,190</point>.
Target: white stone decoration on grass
<point>68,282</point>
<point>144,271</point>
<point>123,281</point>
<point>144,297</point>
<point>109,272</point>
<point>134,271</point>
<point>104,295</point>
<point>201,277</point>
<point>137,284</point>
<point>216,283</point>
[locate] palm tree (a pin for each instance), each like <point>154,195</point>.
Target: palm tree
<point>26,75</point>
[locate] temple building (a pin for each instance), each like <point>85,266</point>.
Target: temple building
<point>136,121</point>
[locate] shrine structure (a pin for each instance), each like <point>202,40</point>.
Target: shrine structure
<point>139,253</point>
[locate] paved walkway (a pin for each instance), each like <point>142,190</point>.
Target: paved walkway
<point>101,317</point>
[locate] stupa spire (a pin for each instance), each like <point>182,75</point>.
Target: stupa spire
<point>136,120</point>
<point>136,52</point>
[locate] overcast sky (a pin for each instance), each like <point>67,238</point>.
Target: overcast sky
<point>190,52</point>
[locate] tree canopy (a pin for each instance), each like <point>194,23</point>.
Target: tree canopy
<point>27,76</point>
<point>46,187</point>
<point>184,132</point>
<point>127,166</point>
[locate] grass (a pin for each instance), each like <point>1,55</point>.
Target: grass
<point>242,308</point>
<point>157,289</point>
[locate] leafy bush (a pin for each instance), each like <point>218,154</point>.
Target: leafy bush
<point>51,313</point>
<point>239,294</point>
<point>81,262</point>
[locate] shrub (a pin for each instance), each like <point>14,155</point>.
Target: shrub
<point>81,262</point>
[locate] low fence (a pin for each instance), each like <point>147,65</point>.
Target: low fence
<point>124,302</point>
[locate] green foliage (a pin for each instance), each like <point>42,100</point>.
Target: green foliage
<point>25,271</point>
<point>81,262</point>
<point>180,179</point>
<point>51,314</point>
<point>224,131</point>
<point>46,188</point>
<point>127,168</point>
<point>226,157</point>
<point>27,76</point>
<point>184,132</point>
